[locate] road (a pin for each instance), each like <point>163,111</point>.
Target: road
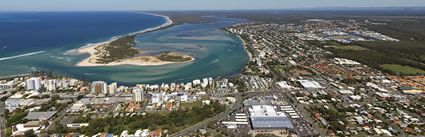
<point>145,102</point>
<point>238,104</point>
<point>235,106</point>
<point>2,121</point>
<point>60,115</point>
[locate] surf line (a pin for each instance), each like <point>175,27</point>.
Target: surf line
<point>22,55</point>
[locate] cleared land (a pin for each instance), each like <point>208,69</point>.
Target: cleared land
<point>404,70</point>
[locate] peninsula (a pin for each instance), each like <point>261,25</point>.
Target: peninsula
<point>121,51</point>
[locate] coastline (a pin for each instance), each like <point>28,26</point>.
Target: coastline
<point>210,55</point>
<point>245,47</point>
<point>137,61</point>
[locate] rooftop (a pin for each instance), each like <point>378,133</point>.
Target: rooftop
<point>40,115</point>
<point>310,84</point>
<point>265,116</point>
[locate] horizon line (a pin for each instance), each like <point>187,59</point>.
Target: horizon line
<point>339,8</point>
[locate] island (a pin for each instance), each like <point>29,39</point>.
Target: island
<point>121,51</point>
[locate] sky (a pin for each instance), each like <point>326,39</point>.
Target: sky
<point>112,5</point>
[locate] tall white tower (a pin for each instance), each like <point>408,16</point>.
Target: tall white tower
<point>112,88</point>
<point>138,94</point>
<point>99,87</point>
<point>33,83</point>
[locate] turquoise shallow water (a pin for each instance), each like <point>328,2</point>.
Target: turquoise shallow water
<point>217,53</point>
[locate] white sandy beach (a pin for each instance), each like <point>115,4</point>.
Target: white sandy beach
<point>246,47</point>
<point>138,61</point>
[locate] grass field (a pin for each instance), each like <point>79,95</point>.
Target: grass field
<point>190,105</point>
<point>407,70</point>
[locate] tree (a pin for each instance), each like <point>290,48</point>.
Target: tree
<point>30,133</point>
<point>3,99</point>
<point>17,117</point>
<point>6,113</point>
<point>80,97</point>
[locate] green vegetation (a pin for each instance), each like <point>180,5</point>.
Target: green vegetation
<point>17,117</point>
<point>422,100</point>
<point>408,53</point>
<point>30,133</point>
<point>121,48</point>
<point>334,117</point>
<point>57,127</point>
<point>251,69</point>
<point>174,57</point>
<point>240,84</point>
<point>186,17</point>
<point>53,105</point>
<point>3,99</point>
<point>9,131</point>
<point>403,29</point>
<point>248,46</point>
<point>280,70</point>
<point>376,57</point>
<point>409,50</point>
<point>355,80</point>
<point>189,106</point>
<point>403,70</point>
<point>173,121</point>
<point>265,135</point>
<point>355,48</point>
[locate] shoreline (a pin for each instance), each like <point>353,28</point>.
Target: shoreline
<point>168,23</point>
<point>244,43</point>
<point>90,49</point>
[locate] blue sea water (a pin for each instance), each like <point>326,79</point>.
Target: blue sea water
<point>40,39</point>
<point>23,32</point>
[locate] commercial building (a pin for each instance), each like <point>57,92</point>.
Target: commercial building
<point>346,92</point>
<point>20,129</point>
<point>307,84</point>
<point>77,107</point>
<point>157,97</point>
<point>12,104</point>
<point>40,115</point>
<point>284,85</point>
<point>266,117</point>
<point>6,86</point>
<point>411,90</point>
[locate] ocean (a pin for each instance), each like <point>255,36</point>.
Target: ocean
<point>38,40</point>
<point>24,32</point>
